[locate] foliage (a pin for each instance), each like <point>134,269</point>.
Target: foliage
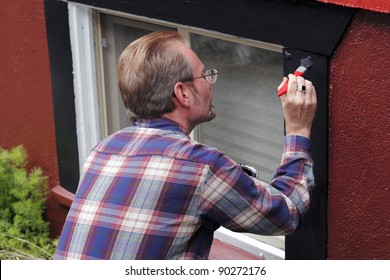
<point>24,234</point>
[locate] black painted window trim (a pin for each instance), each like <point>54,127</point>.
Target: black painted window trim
<point>61,70</point>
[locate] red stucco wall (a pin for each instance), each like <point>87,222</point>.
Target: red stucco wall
<point>373,5</point>
<point>359,151</point>
<point>26,110</point>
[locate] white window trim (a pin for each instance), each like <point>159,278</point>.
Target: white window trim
<point>87,107</point>
<point>249,244</point>
<point>84,79</point>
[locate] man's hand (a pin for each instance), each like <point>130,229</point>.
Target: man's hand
<point>299,105</point>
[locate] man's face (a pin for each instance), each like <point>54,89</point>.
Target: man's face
<point>203,109</point>
<point>203,101</point>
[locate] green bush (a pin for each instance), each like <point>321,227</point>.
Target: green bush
<point>24,234</point>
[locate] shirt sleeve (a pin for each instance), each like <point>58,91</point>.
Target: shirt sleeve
<point>235,200</point>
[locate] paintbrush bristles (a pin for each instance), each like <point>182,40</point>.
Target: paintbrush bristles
<point>306,62</point>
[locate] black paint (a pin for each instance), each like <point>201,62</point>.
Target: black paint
<point>57,25</point>
<point>310,241</point>
<point>305,25</point>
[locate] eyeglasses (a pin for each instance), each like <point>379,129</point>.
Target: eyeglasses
<point>210,76</point>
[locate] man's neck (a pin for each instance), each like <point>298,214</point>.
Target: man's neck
<point>182,121</point>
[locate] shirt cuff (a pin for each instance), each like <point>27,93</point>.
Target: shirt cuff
<point>295,143</point>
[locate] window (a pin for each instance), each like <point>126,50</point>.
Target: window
<point>249,123</point>
<point>74,80</point>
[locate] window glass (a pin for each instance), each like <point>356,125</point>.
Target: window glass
<point>249,124</point>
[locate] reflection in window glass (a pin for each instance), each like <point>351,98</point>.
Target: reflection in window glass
<point>249,123</point>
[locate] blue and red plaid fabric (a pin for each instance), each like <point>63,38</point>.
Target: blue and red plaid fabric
<point>150,192</point>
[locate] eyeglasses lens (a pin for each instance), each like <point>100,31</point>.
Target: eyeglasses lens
<point>211,75</point>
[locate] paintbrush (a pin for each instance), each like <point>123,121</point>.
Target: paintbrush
<point>306,64</point>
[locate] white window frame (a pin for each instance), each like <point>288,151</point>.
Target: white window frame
<point>84,79</point>
<point>87,106</point>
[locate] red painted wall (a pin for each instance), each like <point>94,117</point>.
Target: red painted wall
<point>359,151</point>
<point>26,110</point>
<point>373,5</point>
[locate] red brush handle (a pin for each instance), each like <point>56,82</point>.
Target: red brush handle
<point>283,89</point>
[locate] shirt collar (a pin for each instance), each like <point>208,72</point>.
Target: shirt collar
<point>161,123</point>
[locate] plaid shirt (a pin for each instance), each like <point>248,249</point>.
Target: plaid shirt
<point>150,192</point>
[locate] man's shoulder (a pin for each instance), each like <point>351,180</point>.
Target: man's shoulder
<point>141,141</point>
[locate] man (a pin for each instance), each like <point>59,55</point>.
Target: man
<point>150,192</point>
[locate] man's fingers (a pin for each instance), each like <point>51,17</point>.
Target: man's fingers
<point>285,80</point>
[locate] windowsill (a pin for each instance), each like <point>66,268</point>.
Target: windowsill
<point>63,196</point>
<point>224,251</point>
<point>254,247</point>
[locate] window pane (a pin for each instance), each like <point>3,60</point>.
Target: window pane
<point>249,125</point>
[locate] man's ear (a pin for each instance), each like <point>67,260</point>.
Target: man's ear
<point>182,93</point>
